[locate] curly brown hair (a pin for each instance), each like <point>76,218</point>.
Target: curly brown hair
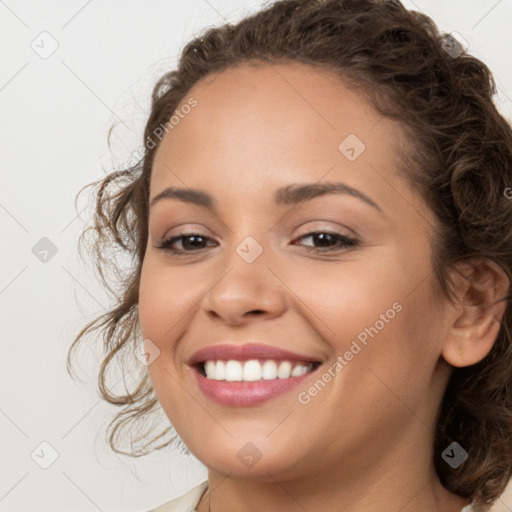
<point>459,157</point>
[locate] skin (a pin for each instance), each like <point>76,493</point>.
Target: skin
<point>365,440</point>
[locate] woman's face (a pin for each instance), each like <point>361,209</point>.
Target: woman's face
<point>342,279</point>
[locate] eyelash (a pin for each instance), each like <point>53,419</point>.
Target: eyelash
<point>348,243</point>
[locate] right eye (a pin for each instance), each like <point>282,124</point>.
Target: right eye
<point>190,242</point>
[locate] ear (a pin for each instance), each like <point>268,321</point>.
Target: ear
<point>482,286</point>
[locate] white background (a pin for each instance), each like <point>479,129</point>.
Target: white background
<point>55,114</point>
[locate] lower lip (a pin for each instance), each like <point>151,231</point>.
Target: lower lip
<point>244,394</point>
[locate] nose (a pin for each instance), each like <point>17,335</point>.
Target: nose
<point>245,292</point>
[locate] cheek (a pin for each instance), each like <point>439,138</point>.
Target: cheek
<point>383,311</point>
<point>344,298</point>
<point>162,304</point>
<point>164,298</point>
<point>395,336</point>
<point>152,303</point>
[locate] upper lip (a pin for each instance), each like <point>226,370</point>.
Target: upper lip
<point>227,351</point>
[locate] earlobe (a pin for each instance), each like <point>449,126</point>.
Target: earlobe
<point>481,290</point>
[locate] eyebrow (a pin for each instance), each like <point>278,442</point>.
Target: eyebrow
<point>290,194</point>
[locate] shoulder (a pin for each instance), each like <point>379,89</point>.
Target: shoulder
<point>185,503</point>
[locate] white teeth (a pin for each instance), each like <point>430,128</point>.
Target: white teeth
<point>220,371</point>
<point>253,370</point>
<point>300,369</point>
<point>233,371</point>
<point>210,368</point>
<point>285,370</point>
<point>269,370</point>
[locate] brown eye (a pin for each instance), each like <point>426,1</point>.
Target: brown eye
<point>323,241</point>
<point>190,242</point>
<point>327,241</point>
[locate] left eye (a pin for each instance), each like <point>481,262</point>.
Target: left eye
<point>327,239</point>
<point>194,241</point>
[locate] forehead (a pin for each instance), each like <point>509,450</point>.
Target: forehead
<point>256,121</point>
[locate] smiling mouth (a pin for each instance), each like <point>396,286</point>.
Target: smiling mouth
<point>253,370</point>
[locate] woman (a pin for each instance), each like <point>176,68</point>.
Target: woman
<point>322,253</point>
